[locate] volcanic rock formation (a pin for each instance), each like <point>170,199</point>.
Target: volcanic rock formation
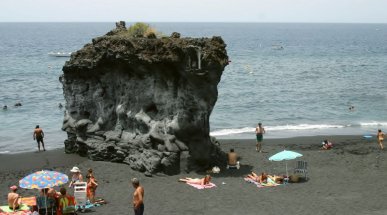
<point>145,102</point>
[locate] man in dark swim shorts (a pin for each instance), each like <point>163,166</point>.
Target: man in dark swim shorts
<point>38,136</point>
<point>259,131</point>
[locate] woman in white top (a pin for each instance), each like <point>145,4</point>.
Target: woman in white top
<point>77,176</point>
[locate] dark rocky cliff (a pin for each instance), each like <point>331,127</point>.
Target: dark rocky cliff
<point>144,101</point>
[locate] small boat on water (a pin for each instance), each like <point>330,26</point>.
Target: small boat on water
<point>59,54</point>
<point>277,47</point>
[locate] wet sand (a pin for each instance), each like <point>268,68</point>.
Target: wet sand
<point>349,179</point>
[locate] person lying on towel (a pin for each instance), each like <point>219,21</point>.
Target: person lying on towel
<point>262,178</point>
<point>326,145</point>
<point>201,181</point>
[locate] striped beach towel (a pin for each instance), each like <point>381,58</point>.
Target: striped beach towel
<point>270,183</point>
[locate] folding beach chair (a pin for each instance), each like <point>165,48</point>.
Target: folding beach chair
<point>46,205</point>
<point>80,194</point>
<point>302,167</point>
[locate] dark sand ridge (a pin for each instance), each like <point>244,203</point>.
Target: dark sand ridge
<point>350,179</point>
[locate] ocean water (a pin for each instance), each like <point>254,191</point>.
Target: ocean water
<point>297,79</point>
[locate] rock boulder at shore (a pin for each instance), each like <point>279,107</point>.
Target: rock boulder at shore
<point>143,101</point>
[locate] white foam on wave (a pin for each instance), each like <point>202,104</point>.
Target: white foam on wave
<point>302,127</point>
<point>224,132</point>
<point>230,131</point>
<point>4,152</point>
<point>373,124</point>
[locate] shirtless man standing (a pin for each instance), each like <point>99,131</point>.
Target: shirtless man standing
<point>380,137</point>
<point>38,136</point>
<point>13,199</point>
<point>259,131</point>
<point>138,197</point>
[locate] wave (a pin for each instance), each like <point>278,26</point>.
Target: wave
<point>230,131</point>
<point>373,124</point>
<point>4,152</point>
<point>224,132</point>
<point>302,127</point>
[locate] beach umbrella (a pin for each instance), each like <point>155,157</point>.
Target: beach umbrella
<point>43,179</point>
<point>284,156</point>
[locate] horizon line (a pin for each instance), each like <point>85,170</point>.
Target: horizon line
<point>224,22</point>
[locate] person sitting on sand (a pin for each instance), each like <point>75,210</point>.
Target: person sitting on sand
<point>232,160</point>
<point>14,199</point>
<point>65,202</point>
<point>201,181</point>
<point>326,145</point>
<point>49,192</point>
<point>262,178</point>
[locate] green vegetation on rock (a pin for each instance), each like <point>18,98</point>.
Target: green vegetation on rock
<point>141,29</point>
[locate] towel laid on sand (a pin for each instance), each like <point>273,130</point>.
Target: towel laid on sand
<point>200,187</point>
<point>16,213</point>
<point>7,210</point>
<point>270,183</point>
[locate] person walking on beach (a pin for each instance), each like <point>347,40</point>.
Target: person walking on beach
<point>380,137</point>
<point>138,197</point>
<point>259,131</point>
<point>38,136</point>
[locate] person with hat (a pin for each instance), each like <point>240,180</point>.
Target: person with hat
<point>14,199</point>
<point>77,176</point>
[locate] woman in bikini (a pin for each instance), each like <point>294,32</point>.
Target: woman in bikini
<point>262,178</point>
<point>201,181</point>
<point>91,185</point>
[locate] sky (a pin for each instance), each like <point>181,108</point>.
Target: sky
<point>320,11</point>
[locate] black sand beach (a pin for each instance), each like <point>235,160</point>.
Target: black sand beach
<point>349,179</point>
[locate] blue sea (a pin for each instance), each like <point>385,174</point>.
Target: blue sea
<point>297,79</point>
